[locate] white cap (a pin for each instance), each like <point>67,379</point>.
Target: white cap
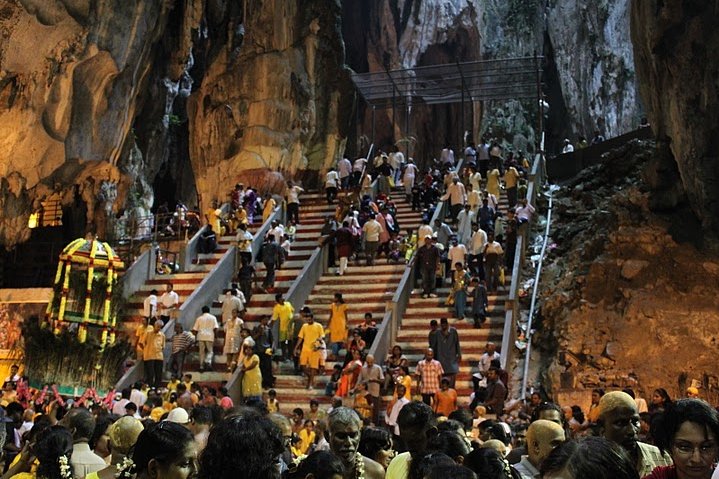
<point>179,416</point>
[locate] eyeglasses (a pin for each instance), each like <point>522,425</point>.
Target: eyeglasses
<point>687,449</point>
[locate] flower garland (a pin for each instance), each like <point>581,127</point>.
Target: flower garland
<point>125,468</point>
<point>58,397</point>
<point>507,469</point>
<point>65,471</point>
<point>359,466</point>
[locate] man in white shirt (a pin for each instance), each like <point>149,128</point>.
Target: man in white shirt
<point>476,251</point>
<point>278,231</point>
<point>204,330</point>
<point>410,173</point>
<point>149,306</point>
<point>391,420</point>
<point>568,148</point>
<point>357,167</point>
<point>332,182</point>
<point>293,202</point>
<point>233,300</point>
<point>457,254</point>
<point>424,230</point>
<point>344,168</point>
<point>371,230</point>
<point>485,360</point>
<point>81,423</point>
<point>457,197</point>
<point>169,302</point>
<point>447,156</point>
<point>244,243</point>
<point>465,218</point>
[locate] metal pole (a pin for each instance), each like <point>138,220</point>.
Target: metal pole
<point>461,137</point>
<point>406,129</point>
<point>394,108</point>
<point>373,125</point>
<point>525,374</point>
<point>539,100</point>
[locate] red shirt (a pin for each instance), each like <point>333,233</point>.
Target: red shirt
<point>663,472</point>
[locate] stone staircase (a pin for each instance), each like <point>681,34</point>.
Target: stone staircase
<point>313,210</point>
<point>414,330</point>
<point>364,289</point>
<point>184,285</point>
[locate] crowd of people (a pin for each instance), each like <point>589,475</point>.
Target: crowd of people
<point>185,431</point>
<point>182,429</point>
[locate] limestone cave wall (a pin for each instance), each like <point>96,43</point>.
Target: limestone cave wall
<point>675,44</point>
<point>121,106</point>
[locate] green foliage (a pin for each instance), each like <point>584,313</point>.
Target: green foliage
<point>64,360</point>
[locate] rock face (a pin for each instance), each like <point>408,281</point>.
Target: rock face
<point>71,75</point>
<point>117,106</point>
<point>94,105</point>
<point>675,46</point>
<point>387,35</point>
<point>595,66</point>
<point>619,291</point>
<point>274,95</point>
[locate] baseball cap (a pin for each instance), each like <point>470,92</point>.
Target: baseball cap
<point>179,416</point>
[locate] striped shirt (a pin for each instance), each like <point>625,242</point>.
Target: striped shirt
<point>182,341</point>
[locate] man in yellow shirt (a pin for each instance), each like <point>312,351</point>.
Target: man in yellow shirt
<point>511,177</point>
<point>307,342</point>
<point>284,312</point>
<point>153,353</point>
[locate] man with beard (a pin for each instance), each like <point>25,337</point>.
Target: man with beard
<point>619,422</point>
<point>345,430</point>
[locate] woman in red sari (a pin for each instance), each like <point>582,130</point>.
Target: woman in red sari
<point>350,373</point>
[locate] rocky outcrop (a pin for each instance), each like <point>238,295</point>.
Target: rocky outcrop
<point>386,35</point>
<point>103,102</point>
<point>592,53</point>
<point>71,73</point>
<point>620,291</point>
<point>274,94</point>
<point>675,44</point>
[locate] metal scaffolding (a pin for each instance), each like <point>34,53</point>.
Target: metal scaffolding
<point>482,80</point>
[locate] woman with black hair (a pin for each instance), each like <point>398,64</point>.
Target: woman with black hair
<point>590,458</point>
<point>165,450</point>
<point>53,451</point>
<point>318,465</point>
<point>376,443</point>
<point>489,463</point>
<point>661,401</point>
<point>451,444</point>
<point>690,433</point>
<point>246,446</point>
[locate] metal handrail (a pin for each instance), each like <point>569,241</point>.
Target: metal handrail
<point>204,294</point>
<point>298,293</point>
<point>525,376</point>
<point>536,177</point>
